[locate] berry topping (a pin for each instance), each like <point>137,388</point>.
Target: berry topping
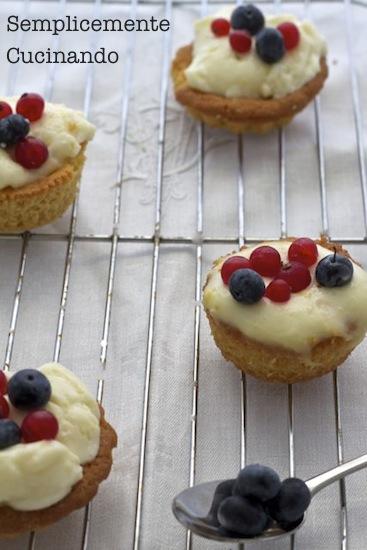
<point>4,407</point>
<point>270,45</point>
<point>3,383</point>
<point>257,481</point>
<point>31,106</point>
<point>31,153</point>
<point>246,286</point>
<point>29,389</point>
<point>39,425</point>
<point>278,291</point>
<point>222,491</point>
<point>303,250</point>
<point>9,433</point>
<point>231,265</point>
<point>290,525</point>
<point>243,516</point>
<point>334,270</point>
<point>291,502</point>
<point>5,109</point>
<point>240,41</point>
<point>12,129</point>
<point>291,35</point>
<point>266,261</point>
<point>296,275</point>
<point>220,26</point>
<point>248,18</point>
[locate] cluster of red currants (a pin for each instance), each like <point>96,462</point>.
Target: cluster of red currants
<point>247,24</point>
<point>293,276</point>
<point>28,151</point>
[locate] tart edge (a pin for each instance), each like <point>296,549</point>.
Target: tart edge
<point>16,522</point>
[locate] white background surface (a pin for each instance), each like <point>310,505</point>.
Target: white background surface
<point>168,436</point>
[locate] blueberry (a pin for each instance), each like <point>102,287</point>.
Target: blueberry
<point>290,525</point>
<point>10,433</point>
<point>291,502</point>
<point>270,45</point>
<point>334,270</point>
<point>246,286</point>
<point>222,491</point>
<point>248,18</point>
<point>242,516</point>
<point>29,389</point>
<point>12,129</point>
<point>257,481</point>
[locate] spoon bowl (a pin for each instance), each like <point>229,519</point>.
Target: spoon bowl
<point>191,507</point>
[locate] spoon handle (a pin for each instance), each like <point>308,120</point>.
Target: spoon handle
<point>315,484</point>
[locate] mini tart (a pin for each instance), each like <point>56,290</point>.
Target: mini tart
<point>278,363</point>
<point>49,470</point>
<point>15,522</point>
<point>43,201</point>
<point>241,115</point>
<point>41,160</point>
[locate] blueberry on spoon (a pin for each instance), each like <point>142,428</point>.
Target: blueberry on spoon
<point>258,481</point>
<point>291,502</point>
<point>243,516</point>
<point>222,491</point>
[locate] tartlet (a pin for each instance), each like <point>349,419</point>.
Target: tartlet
<point>45,478</point>
<point>38,185</point>
<point>241,92</point>
<point>294,330</point>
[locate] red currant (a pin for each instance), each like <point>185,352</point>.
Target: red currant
<point>39,425</point>
<point>291,35</point>
<point>266,261</point>
<point>5,109</point>
<point>278,291</point>
<point>31,153</point>
<point>240,41</point>
<point>231,265</point>
<point>303,250</point>
<point>220,26</point>
<point>296,275</point>
<point>3,383</point>
<point>4,407</point>
<point>31,106</point>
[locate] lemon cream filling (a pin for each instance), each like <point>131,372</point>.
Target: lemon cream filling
<point>217,69</point>
<point>37,475</point>
<point>63,130</point>
<point>310,316</point>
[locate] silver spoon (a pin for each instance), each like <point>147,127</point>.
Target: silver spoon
<point>191,507</point>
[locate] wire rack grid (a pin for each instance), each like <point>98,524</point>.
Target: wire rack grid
<point>203,244</point>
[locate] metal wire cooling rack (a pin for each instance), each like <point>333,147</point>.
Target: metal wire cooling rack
<point>203,245</point>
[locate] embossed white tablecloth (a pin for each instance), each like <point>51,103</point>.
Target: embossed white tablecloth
<point>168,430</point>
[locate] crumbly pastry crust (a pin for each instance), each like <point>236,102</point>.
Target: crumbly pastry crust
<point>276,364</point>
<point>42,201</point>
<point>239,115</point>
<point>15,522</point>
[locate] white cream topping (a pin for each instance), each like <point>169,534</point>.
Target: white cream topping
<point>309,317</point>
<point>37,475</point>
<point>217,69</point>
<point>63,130</point>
